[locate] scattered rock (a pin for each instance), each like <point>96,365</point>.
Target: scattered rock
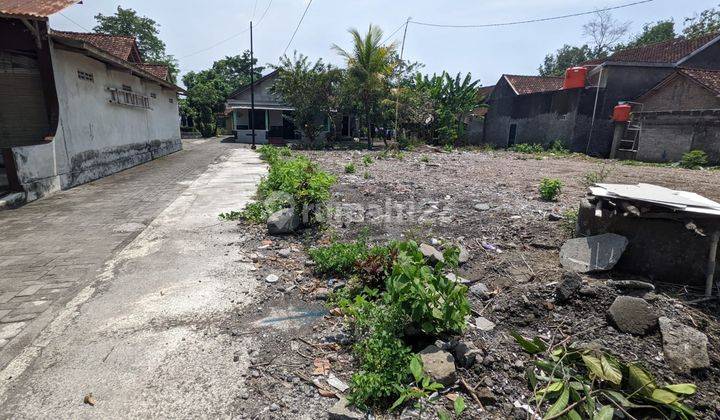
<point>283,222</point>
<point>464,255</point>
<point>632,315</point>
<point>570,284</point>
<point>484,324</point>
<point>456,278</point>
<point>89,399</point>
<point>594,253</point>
<point>554,217</point>
<point>466,353</point>
<point>272,278</point>
<point>632,285</point>
<point>321,293</point>
<point>486,396</point>
<point>274,407</point>
<point>431,253</point>
<point>439,365</point>
<point>343,411</point>
<point>480,290</point>
<point>685,347</point>
<point>482,207</point>
<point>336,383</point>
<point>285,252</point>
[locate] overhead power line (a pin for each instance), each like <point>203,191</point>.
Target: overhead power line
<point>208,48</point>
<point>402,25</point>
<point>76,24</point>
<point>520,22</point>
<point>297,27</point>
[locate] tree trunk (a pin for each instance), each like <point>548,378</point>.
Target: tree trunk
<point>369,127</point>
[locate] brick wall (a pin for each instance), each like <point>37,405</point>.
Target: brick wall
<point>680,93</point>
<point>666,136</point>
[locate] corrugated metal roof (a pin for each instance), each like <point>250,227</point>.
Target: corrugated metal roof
<point>34,8</point>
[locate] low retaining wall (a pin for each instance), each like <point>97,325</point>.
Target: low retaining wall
<point>663,250</point>
<point>667,135</point>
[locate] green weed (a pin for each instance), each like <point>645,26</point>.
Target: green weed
<point>550,189</point>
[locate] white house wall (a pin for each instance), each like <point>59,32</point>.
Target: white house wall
<point>96,138</point>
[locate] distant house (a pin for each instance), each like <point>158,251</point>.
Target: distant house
<point>270,118</point>
<point>680,114</point>
<point>76,106</point>
<point>535,109</point>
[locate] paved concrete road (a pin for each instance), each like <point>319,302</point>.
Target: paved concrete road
<point>142,332</point>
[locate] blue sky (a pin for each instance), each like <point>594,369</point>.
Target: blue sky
<point>188,27</point>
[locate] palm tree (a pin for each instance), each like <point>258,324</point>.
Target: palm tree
<point>369,66</point>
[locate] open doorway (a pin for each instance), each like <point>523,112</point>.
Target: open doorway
<point>8,174</point>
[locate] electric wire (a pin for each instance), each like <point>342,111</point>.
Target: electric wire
<point>520,22</point>
<point>298,27</point>
<point>76,24</point>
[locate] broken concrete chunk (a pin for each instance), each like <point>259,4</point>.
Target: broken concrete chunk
<point>431,253</point>
<point>343,411</point>
<point>336,383</point>
<point>439,365</point>
<point>685,348</point>
<point>570,284</point>
<point>480,290</point>
<point>464,255</point>
<point>272,278</point>
<point>457,279</point>
<point>594,253</point>
<point>632,315</point>
<point>283,222</point>
<point>484,324</point>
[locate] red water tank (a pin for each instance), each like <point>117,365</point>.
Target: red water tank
<point>575,78</point>
<point>621,113</point>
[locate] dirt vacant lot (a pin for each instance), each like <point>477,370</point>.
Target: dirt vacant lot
<point>489,203</point>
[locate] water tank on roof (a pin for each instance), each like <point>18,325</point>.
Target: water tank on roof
<point>575,78</point>
<point>621,113</point>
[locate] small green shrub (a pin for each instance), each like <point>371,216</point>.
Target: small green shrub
<point>270,153</point>
<point>366,175</point>
<point>255,213</point>
<point>595,177</point>
<point>569,222</point>
<point>448,147</point>
<point>230,216</point>
<point>694,159</point>
<point>434,304</point>
<point>527,148</point>
<point>350,168</point>
<point>550,188</point>
<point>558,147</point>
<point>338,258</point>
<point>424,159</point>
<point>300,178</point>
<point>367,160</point>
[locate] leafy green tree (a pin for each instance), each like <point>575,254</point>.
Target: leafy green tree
<point>369,66</point>
<point>452,99</point>
<point>309,88</point>
<point>663,30</point>
<point>126,22</point>
<point>706,22</point>
<point>207,90</point>
<point>564,58</point>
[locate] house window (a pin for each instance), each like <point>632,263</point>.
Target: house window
<point>128,98</point>
<point>171,100</point>
<point>153,95</point>
<point>82,75</point>
<point>127,88</point>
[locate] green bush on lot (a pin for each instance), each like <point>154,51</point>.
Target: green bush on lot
<point>270,153</point>
<point>338,258</point>
<point>558,147</point>
<point>694,159</point>
<point>350,168</point>
<point>550,188</point>
<point>300,178</point>
<point>367,160</point>
<point>527,148</point>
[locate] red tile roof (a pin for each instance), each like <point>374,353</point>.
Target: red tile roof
<point>667,52</point>
<point>34,8</point>
<point>485,91</point>
<point>708,78</point>
<point>157,70</point>
<point>120,46</point>
<point>533,84</point>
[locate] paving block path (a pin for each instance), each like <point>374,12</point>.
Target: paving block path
<point>50,246</point>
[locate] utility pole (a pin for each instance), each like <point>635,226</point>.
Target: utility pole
<point>252,88</point>
<point>397,97</point>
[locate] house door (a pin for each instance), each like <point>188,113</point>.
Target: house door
<point>512,135</point>
<point>8,173</point>
<point>288,127</point>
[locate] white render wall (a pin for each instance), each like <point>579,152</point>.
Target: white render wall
<point>96,138</point>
